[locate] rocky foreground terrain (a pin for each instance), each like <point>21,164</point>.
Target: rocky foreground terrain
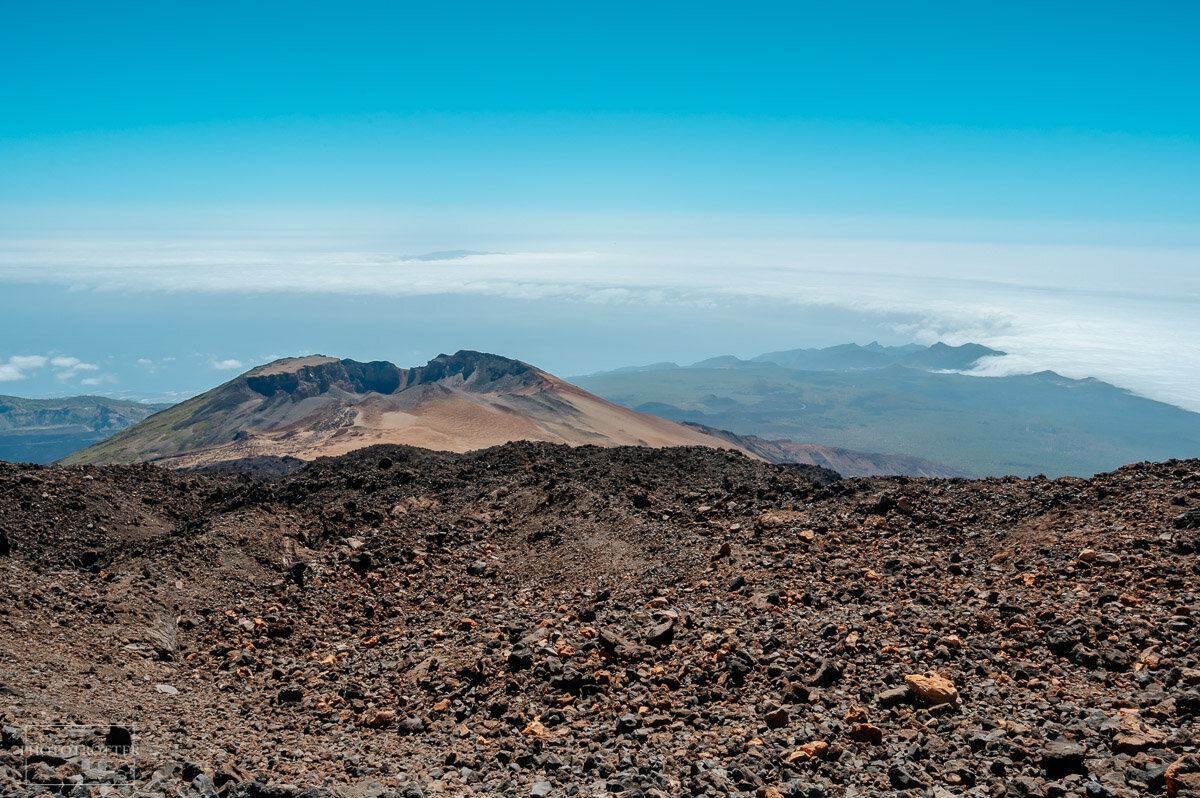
<point>535,620</point>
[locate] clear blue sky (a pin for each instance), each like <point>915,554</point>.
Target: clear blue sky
<point>1015,109</point>
<point>280,130</point>
<point>1094,65</point>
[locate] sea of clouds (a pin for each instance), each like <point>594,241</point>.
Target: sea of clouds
<point>1129,315</point>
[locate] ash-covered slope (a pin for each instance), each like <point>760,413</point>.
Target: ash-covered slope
<point>543,620</point>
<point>318,406</point>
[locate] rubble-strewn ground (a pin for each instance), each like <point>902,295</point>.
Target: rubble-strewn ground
<point>538,620</point>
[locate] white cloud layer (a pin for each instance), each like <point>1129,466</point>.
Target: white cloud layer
<point>1130,315</point>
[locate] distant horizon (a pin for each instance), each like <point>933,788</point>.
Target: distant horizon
<point>993,369</point>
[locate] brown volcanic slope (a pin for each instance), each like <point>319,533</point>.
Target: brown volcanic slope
<point>320,406</point>
<point>543,620</point>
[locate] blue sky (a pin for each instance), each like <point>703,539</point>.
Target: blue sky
<point>659,181</point>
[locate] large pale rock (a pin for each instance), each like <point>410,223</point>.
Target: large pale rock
<point>932,688</point>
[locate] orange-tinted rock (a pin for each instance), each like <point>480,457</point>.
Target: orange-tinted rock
<point>809,750</point>
<point>866,733</point>
<point>932,688</point>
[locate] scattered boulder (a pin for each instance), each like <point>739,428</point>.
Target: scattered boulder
<point>932,688</point>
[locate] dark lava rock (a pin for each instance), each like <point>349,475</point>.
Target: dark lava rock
<point>361,562</point>
<point>290,695</point>
<point>1063,758</point>
<point>828,674</point>
<point>256,789</point>
<point>10,737</point>
<point>628,723</point>
<point>901,779</point>
<point>893,697</point>
<point>662,633</point>
<point>1188,520</point>
<point>1061,639</point>
<point>520,659</point>
<point>1087,657</point>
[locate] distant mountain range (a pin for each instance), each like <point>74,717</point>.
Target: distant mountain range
<point>915,400</point>
<point>860,410</point>
<point>43,430</point>
<point>844,357</point>
<point>852,357</point>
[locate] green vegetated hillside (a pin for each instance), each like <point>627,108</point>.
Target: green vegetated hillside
<point>1027,424</point>
<point>44,430</point>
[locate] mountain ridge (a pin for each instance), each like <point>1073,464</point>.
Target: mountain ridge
<point>43,430</point>
<point>916,403</point>
<point>852,357</point>
<point>840,357</point>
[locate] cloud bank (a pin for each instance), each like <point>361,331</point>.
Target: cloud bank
<point>1129,315</point>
